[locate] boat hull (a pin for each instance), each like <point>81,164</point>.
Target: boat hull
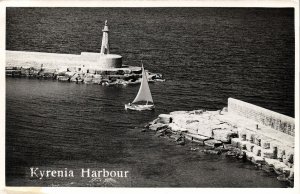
<point>139,107</point>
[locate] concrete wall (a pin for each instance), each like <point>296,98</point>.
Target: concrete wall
<point>262,116</point>
<point>57,60</point>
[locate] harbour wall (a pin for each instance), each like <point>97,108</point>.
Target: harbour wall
<point>262,116</point>
<point>88,60</point>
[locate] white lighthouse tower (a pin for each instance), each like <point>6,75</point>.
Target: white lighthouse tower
<point>102,60</point>
<point>107,60</point>
<point>105,44</point>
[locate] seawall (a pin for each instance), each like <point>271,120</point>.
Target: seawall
<point>262,116</point>
<point>58,60</point>
<point>83,68</point>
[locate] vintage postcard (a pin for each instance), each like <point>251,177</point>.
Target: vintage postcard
<point>150,95</point>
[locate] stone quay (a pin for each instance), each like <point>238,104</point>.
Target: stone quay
<point>242,130</point>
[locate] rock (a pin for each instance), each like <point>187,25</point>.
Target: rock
<point>180,138</point>
<point>175,127</point>
<point>280,153</point>
<point>147,125</point>
<point>279,167</point>
<point>249,146</point>
<point>70,74</point>
<point>257,140</point>
<point>159,134</point>
<point>213,143</point>
<point>205,130</point>
<point>153,122</point>
<point>154,127</point>
<point>289,158</point>
<point>63,78</point>
<point>165,118</point>
<point>162,128</point>
<point>175,136</point>
<point>256,150</point>
<point>178,112</point>
<point>225,109</point>
<point>182,142</point>
<point>265,143</point>
<point>194,148</point>
<point>214,152</point>
<point>221,149</point>
<point>250,136</point>
<point>144,130</point>
<point>249,155</point>
<point>270,162</point>
<point>199,112</point>
<point>197,138</point>
<point>257,159</point>
<point>267,153</point>
<point>231,153</point>
<point>243,145</point>
<point>191,121</point>
<point>229,146</point>
<point>224,135</point>
<point>235,142</point>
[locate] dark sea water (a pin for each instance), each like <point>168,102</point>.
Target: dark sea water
<point>205,54</point>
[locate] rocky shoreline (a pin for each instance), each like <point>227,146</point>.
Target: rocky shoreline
<point>215,132</point>
<point>128,75</point>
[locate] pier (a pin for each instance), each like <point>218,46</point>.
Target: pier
<point>242,130</point>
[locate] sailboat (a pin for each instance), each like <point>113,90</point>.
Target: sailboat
<point>143,99</point>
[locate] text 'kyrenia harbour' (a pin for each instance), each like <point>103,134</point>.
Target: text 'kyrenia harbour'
<point>36,172</point>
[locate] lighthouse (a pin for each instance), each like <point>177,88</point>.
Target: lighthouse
<point>107,60</point>
<point>105,44</point>
<point>100,61</point>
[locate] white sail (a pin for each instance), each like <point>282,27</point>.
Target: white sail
<point>144,93</point>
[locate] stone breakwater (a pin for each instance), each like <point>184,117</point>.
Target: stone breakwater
<point>83,68</point>
<point>117,76</point>
<point>223,132</point>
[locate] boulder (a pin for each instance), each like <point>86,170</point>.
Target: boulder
<point>69,74</point>
<point>289,158</point>
<point>175,127</point>
<point>197,138</point>
<point>178,112</point>
<point>249,146</point>
<point>265,143</point>
<point>213,143</point>
<point>250,136</point>
<point>257,159</point>
<point>165,118</point>
<point>279,167</point>
<point>267,153</point>
<point>214,152</point>
<point>257,140</point>
<point>205,130</point>
<point>224,135</point>
<point>198,112</point>
<point>270,162</point>
<point>225,109</point>
<point>235,142</point>
<point>280,153</point>
<point>249,155</point>
<point>256,150</point>
<point>155,127</point>
<point>243,145</point>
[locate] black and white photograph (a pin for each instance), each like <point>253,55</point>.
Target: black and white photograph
<point>150,97</point>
